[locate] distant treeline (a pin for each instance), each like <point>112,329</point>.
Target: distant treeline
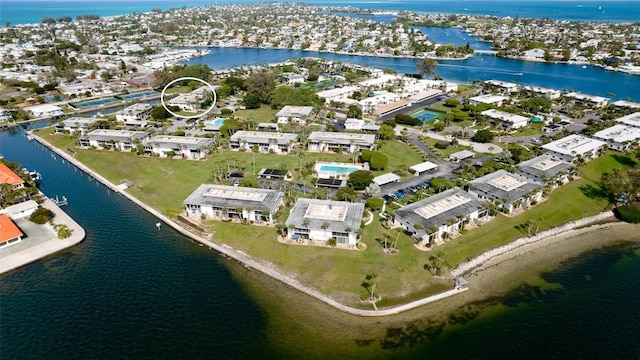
<point>67,19</point>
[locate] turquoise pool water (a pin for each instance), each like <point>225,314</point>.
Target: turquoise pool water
<point>94,103</point>
<point>218,121</point>
<point>426,116</point>
<point>338,169</point>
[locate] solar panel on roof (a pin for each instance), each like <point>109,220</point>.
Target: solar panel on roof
<point>329,182</point>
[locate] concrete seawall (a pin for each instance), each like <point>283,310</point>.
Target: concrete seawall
<point>37,252</point>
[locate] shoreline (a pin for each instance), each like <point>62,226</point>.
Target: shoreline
<point>272,272</point>
<point>34,253</point>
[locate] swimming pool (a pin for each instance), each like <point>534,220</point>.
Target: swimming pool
<point>137,95</point>
<point>218,121</point>
<point>94,103</point>
<point>426,116</point>
<point>339,169</point>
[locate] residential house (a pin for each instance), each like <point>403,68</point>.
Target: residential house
<point>630,120</point>
<point>7,176</point>
<point>537,91</point>
<point>184,146</point>
<point>76,124</point>
<point>545,169</point>
<point>294,114</point>
<point>20,210</point>
<point>264,142</point>
<point>10,233</point>
<point>573,146</point>
<point>321,220</point>
<point>439,216</point>
<point>135,115</point>
<point>234,202</point>
<point>504,120</point>
<point>45,111</point>
<point>587,100</point>
<point>502,86</point>
<point>123,140</point>
<point>619,137</point>
<point>319,141</point>
<point>509,191</point>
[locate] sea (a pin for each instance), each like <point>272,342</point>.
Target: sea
<point>133,291</point>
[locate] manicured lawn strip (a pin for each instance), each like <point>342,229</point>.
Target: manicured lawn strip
<point>339,273</point>
<point>178,89</point>
<point>565,204</point>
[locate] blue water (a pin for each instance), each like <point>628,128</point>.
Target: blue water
<point>338,169</point>
<point>219,121</point>
<point>590,80</point>
<point>33,11</point>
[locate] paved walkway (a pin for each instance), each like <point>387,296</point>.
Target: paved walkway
<point>13,260</point>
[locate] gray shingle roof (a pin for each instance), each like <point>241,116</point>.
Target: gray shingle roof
<point>502,184</point>
<point>352,216</point>
<point>544,165</point>
<point>232,197</point>
<point>410,214</point>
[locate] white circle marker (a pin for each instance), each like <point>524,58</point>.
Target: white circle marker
<point>213,104</point>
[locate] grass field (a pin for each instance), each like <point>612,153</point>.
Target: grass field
<point>444,153</point>
<point>165,183</point>
<point>264,114</point>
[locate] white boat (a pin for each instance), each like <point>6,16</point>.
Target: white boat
<point>35,176</point>
<point>584,66</point>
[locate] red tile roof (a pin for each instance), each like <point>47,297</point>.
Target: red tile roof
<point>8,176</point>
<point>8,230</point>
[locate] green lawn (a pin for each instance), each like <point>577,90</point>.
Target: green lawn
<point>401,156</point>
<point>444,153</point>
<point>263,114</point>
<point>179,90</point>
<point>165,183</point>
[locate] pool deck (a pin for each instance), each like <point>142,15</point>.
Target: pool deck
<point>40,241</point>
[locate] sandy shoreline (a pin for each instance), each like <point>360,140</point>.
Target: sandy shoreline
<point>276,274</point>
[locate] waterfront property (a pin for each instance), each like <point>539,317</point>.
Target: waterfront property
<point>509,191</point>
<point>184,146</point>
<point>294,115</point>
<point>570,147</point>
<point>504,120</point>
<point>135,115</point>
<point>320,141</point>
<point>7,176</point>
<point>439,216</point>
<point>545,169</point>
<point>321,220</point>
<point>79,124</point>
<point>488,99</point>
<point>631,120</point>
<point>619,137</point>
<point>264,142</point>
<point>591,101</point>
<point>46,110</point>
<point>423,167</point>
<point>536,91</point>
<point>337,170</point>
<point>233,202</point>
<point>502,86</point>
<point>624,104</point>
<point>10,233</point>
<point>123,140</point>
<point>20,210</point>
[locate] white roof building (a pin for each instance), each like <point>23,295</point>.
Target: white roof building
<point>321,220</point>
<point>489,99</point>
<point>184,146</point>
<point>45,111</point>
<point>294,114</point>
<point>423,167</point>
<point>631,120</point>
<point>337,94</point>
<point>588,100</point>
<point>550,94</point>
<point>572,146</point>
<point>503,85</point>
<point>505,120</point>
<point>386,178</point>
<point>108,138</point>
<point>461,155</point>
<point>135,115</point>
<point>381,81</point>
<point>264,141</point>
<point>626,104</point>
<point>507,188</point>
<point>619,137</point>
<point>321,141</point>
<point>76,124</point>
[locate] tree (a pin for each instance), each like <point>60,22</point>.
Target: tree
<point>369,283</point>
<point>620,186</point>
<point>483,136</point>
<point>252,101</point>
<point>261,84</point>
<point>248,182</point>
<point>159,113</point>
<point>406,120</point>
<point>354,112</point>
<point>375,204</point>
<point>359,179</point>
<point>427,67</point>
<point>378,160</point>
<point>438,126</point>
<point>41,215</point>
<point>346,193</point>
<point>386,132</point>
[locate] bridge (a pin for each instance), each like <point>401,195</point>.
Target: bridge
<point>485,52</point>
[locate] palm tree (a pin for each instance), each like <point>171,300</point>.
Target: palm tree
<point>325,226</point>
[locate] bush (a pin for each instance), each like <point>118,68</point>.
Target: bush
<point>375,204</point>
<point>226,111</point>
<point>440,144</point>
<point>378,161</point>
<point>405,119</point>
<point>179,133</point>
<point>451,103</point>
<point>41,216</point>
<point>628,213</point>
